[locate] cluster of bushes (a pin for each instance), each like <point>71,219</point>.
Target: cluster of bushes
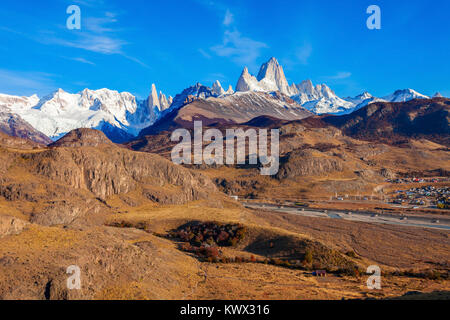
<point>125,224</point>
<point>428,274</point>
<point>322,147</point>
<point>207,252</point>
<point>210,234</point>
<point>350,271</point>
<point>204,239</point>
<point>435,275</point>
<point>237,259</point>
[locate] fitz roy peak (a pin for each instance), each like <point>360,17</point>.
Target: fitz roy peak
<point>319,99</point>
<point>270,78</point>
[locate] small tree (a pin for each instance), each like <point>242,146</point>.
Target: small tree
<point>308,256</point>
<point>186,246</point>
<point>211,252</point>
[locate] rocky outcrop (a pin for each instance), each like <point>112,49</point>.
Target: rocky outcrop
<point>8,141</point>
<point>153,99</point>
<point>247,82</point>
<point>86,159</point>
<point>34,265</point>
<point>387,173</point>
<point>11,225</point>
<point>82,138</point>
<point>164,103</point>
<point>157,103</point>
<point>217,88</point>
<point>68,212</point>
<point>193,93</point>
<point>13,125</point>
<point>308,162</point>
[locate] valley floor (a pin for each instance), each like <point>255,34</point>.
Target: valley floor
<point>130,257</point>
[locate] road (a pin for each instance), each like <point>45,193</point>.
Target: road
<point>369,217</point>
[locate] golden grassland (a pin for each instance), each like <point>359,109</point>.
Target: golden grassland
<point>126,263</point>
<point>125,254</point>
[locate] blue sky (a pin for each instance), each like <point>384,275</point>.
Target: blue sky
<point>128,45</point>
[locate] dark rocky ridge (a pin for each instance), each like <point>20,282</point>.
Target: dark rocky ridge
<point>13,125</point>
<point>234,109</point>
<point>384,121</point>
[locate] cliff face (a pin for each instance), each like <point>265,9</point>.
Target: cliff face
<point>300,163</point>
<point>10,225</point>
<point>76,179</point>
<point>111,170</point>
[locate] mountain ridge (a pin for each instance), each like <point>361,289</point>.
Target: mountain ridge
<point>121,116</point>
<point>319,99</point>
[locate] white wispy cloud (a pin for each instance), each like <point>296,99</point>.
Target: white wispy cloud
<point>25,83</point>
<point>91,42</point>
<point>83,60</point>
<point>229,18</point>
<point>100,24</point>
<point>242,50</point>
<point>204,53</point>
<point>340,75</point>
<point>98,35</point>
<point>9,30</point>
<point>239,48</point>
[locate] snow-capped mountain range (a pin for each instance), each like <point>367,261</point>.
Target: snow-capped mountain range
<point>121,116</point>
<point>318,99</point>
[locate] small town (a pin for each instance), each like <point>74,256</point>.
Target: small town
<point>431,196</point>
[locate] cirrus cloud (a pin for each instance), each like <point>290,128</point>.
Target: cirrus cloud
<point>242,50</point>
<point>340,75</point>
